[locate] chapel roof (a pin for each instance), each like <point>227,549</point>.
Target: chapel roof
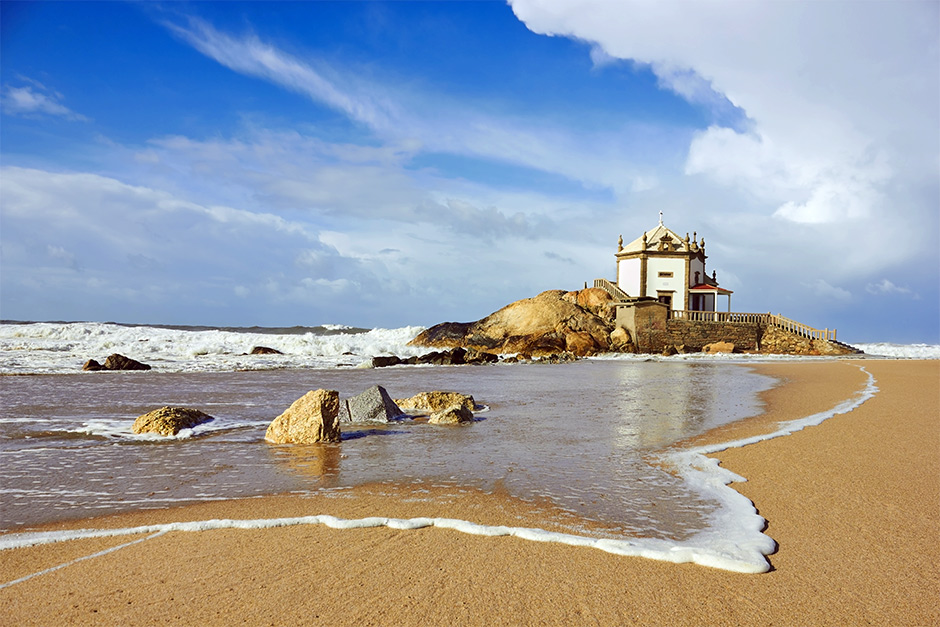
<point>653,238</point>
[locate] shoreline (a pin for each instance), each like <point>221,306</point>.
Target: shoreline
<point>765,465</point>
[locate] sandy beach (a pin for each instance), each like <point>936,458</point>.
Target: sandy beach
<point>854,505</point>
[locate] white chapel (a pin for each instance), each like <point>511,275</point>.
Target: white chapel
<point>659,264</point>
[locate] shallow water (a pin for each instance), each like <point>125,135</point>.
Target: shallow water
<point>578,434</point>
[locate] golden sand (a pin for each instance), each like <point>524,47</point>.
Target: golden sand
<point>854,505</point>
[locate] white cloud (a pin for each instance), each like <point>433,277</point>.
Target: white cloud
<point>886,287</point>
<point>842,97</point>
<point>35,99</point>
<point>420,120</point>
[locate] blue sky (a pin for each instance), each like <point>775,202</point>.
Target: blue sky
<point>386,164</point>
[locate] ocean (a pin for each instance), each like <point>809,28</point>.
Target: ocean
<point>594,437</point>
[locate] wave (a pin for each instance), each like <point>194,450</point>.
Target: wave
<point>53,348</point>
<point>901,351</point>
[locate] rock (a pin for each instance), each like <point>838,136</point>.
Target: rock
<point>169,420</point>
<point>436,401</point>
<point>373,405</point>
<point>669,350</point>
<point>620,340</point>
<point>455,414</point>
<point>311,418</point>
<point>91,365</point>
<point>264,350</point>
<point>538,326</point>
<point>474,356</point>
<point>120,362</point>
<point>580,343</point>
<point>718,347</point>
<point>382,361</point>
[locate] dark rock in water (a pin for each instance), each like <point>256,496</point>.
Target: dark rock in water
<point>170,420</point>
<point>115,362</point>
<point>383,361</point>
<point>373,405</point>
<point>264,350</point>
<point>474,356</point>
<point>454,357</point>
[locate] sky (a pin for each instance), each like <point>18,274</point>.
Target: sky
<point>407,163</point>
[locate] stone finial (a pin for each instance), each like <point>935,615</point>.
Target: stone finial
<point>702,245</point>
<point>714,275</point>
<point>620,243</point>
<point>644,240</point>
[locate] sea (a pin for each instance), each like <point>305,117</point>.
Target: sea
<point>596,438</point>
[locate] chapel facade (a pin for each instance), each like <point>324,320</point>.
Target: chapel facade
<point>662,265</point>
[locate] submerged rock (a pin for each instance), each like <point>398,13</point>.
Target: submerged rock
<point>311,418</point>
<point>264,350</point>
<point>373,405</point>
<point>169,420</point>
<point>115,362</point>
<point>120,362</point>
<point>455,414</point>
<point>436,401</point>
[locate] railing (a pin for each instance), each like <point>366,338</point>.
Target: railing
<point>801,329</point>
<point>791,326</point>
<point>612,289</point>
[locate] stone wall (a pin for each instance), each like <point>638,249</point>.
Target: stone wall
<point>693,336</point>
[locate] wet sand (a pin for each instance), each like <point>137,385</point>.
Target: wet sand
<point>854,505</point>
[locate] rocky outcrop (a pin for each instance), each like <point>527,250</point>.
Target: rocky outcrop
<point>115,362</point>
<point>552,322</point>
<point>373,405</point>
<point>169,420</point>
<point>779,341</point>
<point>453,415</point>
<point>436,401</point>
<point>314,417</point>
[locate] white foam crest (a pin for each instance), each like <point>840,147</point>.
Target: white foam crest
<point>123,429</point>
<point>733,541</point>
<point>64,347</point>
<point>901,351</point>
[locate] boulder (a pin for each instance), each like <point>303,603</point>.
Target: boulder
<point>620,340</point>
<point>538,326</point>
<point>264,350</point>
<point>718,347</point>
<point>580,343</point>
<point>383,361</point>
<point>311,418</point>
<point>436,401</point>
<point>169,420</point>
<point>455,414</point>
<point>115,362</point>
<point>373,405</point>
<point>120,362</point>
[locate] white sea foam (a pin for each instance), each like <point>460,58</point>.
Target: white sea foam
<point>63,347</point>
<point>901,351</point>
<point>734,539</point>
